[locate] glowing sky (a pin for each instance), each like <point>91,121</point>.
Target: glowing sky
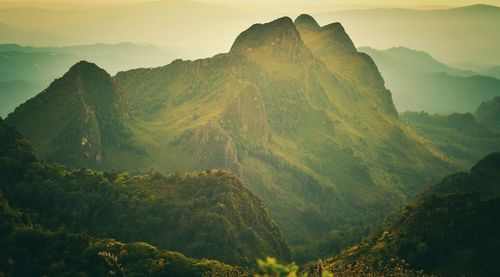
<point>255,4</point>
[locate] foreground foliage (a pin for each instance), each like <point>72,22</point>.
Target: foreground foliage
<point>27,249</point>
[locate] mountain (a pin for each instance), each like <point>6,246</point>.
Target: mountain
<point>210,27</point>
<point>493,71</point>
<point>451,229</point>
<point>482,68</point>
<point>113,58</point>
<point>83,108</point>
<point>205,215</point>
<point>489,113</point>
<point>26,70</point>
<point>419,82</point>
<point>334,47</point>
<point>322,146</point>
<point>440,32</point>
<point>412,61</point>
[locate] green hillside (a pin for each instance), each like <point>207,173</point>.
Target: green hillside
<point>83,109</point>
<point>489,113</point>
<point>451,229</point>
<point>460,136</point>
<point>206,215</point>
<point>319,142</point>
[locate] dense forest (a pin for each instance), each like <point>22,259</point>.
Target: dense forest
<point>209,214</point>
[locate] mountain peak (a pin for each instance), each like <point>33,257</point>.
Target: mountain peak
<point>279,37</point>
<point>82,112</point>
<point>488,163</point>
<point>259,34</point>
<point>86,67</point>
<point>339,36</point>
<point>478,8</point>
<point>306,21</point>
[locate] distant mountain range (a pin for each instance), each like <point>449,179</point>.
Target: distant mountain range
<point>193,24</point>
<point>440,32</point>
<point>293,109</point>
<point>26,71</point>
<point>418,82</point>
<point>194,29</point>
<point>466,137</point>
<point>176,23</point>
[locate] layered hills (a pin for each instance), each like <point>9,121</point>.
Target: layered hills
<point>421,83</point>
<point>488,113</point>
<point>463,136</point>
<point>26,70</point>
<point>439,31</point>
<point>293,109</point>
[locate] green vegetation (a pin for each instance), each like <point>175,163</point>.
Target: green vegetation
<point>460,136</point>
<point>296,113</point>
<point>451,229</point>
<point>489,113</point>
<point>84,111</point>
<point>205,215</point>
<point>362,267</point>
<point>294,110</point>
<point>26,249</point>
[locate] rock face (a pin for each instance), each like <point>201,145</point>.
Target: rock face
<point>333,46</point>
<point>295,112</point>
<point>276,39</point>
<point>75,118</point>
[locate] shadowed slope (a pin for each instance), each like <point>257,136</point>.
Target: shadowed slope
<point>77,119</point>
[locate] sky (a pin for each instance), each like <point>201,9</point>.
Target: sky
<point>205,29</point>
<point>256,4</point>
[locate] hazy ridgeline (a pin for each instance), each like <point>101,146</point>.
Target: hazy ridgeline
<point>290,142</point>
